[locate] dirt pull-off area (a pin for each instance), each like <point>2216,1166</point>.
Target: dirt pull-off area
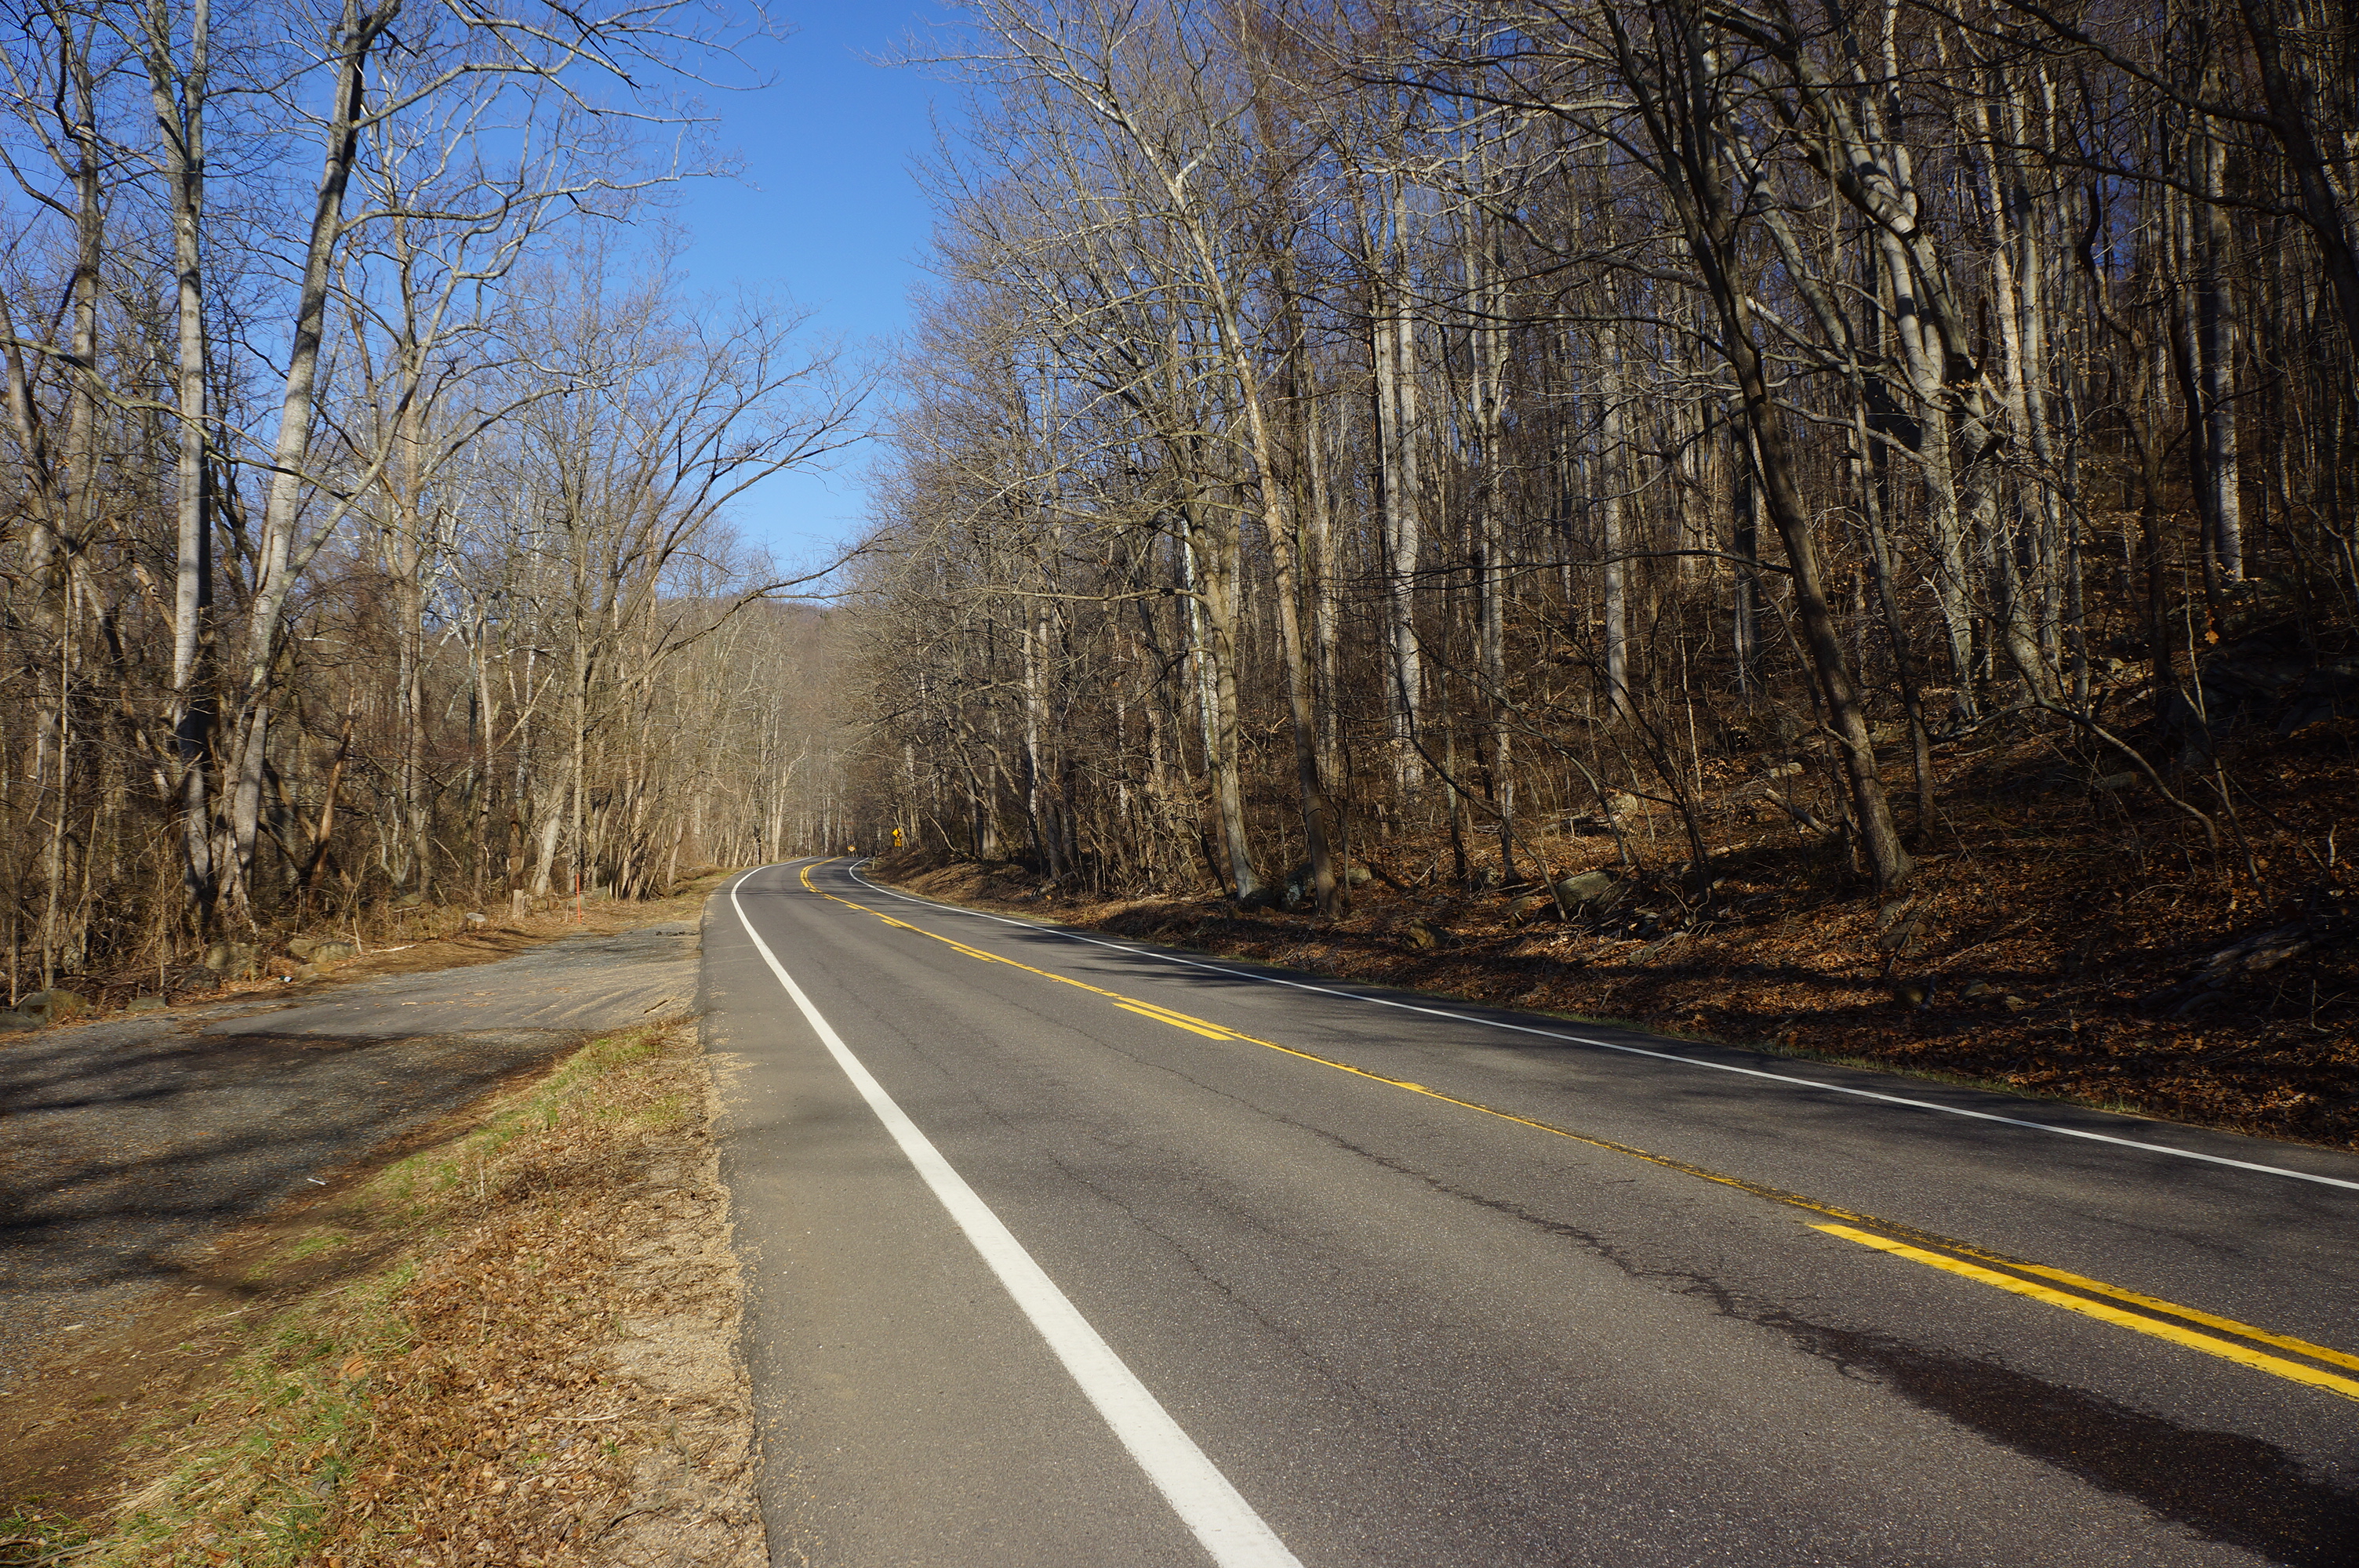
<point>129,1146</point>
<point>503,1331</point>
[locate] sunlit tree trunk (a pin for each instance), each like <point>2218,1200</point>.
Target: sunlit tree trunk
<point>278,560</point>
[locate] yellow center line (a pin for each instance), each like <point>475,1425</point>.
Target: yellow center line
<point>2209,1320</point>
<point>2187,1337</point>
<point>1177,1021</point>
<point>970,952</point>
<point>2223,1348</point>
<point>1174,1015</point>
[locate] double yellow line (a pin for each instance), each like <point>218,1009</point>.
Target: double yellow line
<point>1177,1019</point>
<point>2128,1309</point>
<point>2110,1303</point>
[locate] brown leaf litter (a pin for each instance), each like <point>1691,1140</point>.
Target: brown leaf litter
<point>517,1346</point>
<point>2061,938</point>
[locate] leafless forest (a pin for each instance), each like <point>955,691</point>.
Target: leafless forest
<point>363,535</point>
<point>1448,437</point>
<point>1346,430</point>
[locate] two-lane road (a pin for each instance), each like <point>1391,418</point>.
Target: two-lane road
<point>1069,1251</point>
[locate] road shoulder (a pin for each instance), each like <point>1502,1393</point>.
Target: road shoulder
<point>509,1335</point>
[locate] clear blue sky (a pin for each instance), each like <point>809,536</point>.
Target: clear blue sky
<point>826,211</point>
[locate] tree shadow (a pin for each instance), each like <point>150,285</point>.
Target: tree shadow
<point>119,1167</point>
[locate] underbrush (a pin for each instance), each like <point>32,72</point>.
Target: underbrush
<point>388,938</point>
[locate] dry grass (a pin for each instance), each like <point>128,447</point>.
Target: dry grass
<point>516,1345</point>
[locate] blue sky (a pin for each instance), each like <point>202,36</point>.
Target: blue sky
<point>826,211</point>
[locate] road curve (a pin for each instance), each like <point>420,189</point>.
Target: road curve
<point>1072,1251</point>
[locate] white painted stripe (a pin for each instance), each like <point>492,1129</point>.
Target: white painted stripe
<point>1626,1049</point>
<point>1197,1491</point>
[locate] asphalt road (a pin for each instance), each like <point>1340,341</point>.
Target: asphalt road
<point>1123,1256</point>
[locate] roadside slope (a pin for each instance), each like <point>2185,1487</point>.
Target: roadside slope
<point>2012,976</point>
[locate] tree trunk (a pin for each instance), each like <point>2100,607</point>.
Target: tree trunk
<point>179,94</point>
<point>356,35</point>
<point>1393,343</point>
<point>1612,547</point>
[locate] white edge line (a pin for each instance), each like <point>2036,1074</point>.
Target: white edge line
<point>1221,1520</point>
<point>1626,1050</point>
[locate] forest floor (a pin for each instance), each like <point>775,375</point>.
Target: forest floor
<point>2067,934</point>
<point>507,1334</point>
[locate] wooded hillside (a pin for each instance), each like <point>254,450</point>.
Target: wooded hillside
<point>1336,421</point>
<point>1741,451</point>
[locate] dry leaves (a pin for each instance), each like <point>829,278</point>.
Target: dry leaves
<point>547,1374</point>
<point>2077,944</point>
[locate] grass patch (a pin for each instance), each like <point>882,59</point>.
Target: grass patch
<point>31,1533</point>
<point>433,1380</point>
